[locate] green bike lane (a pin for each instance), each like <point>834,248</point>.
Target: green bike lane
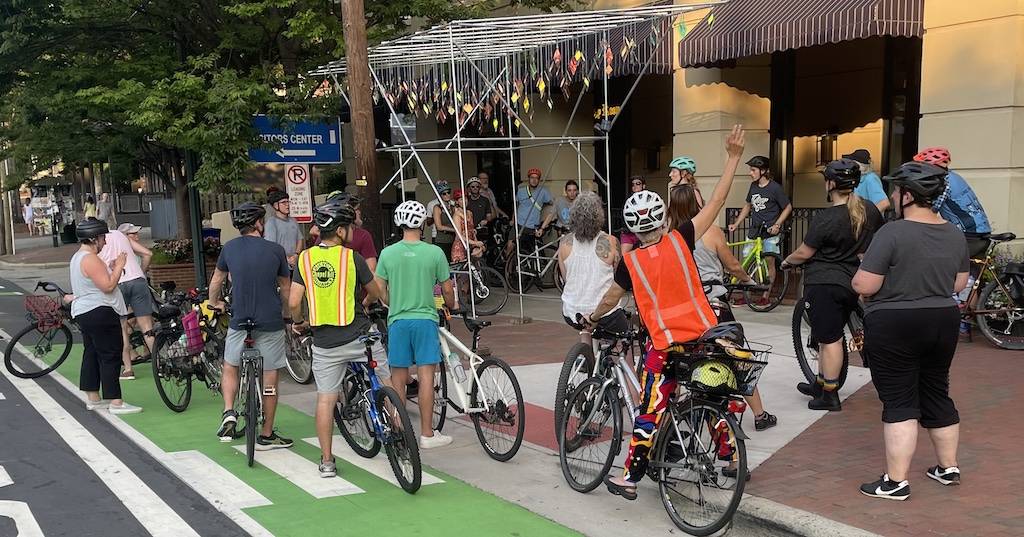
<point>438,509</point>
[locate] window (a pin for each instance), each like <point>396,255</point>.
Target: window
<point>825,149</point>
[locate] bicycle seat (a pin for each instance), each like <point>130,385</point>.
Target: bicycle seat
<point>369,339</point>
<point>166,312</point>
<point>247,324</point>
<point>475,326</point>
<point>1002,237</point>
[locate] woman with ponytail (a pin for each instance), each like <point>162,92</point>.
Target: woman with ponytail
<point>835,242</point>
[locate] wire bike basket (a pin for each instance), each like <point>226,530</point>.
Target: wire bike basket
<point>706,367</point>
<point>44,311</point>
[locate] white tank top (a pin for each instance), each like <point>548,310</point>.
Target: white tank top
<point>587,278</point>
<point>89,297</point>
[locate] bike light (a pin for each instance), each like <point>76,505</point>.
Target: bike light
<point>373,364</point>
<point>737,407</point>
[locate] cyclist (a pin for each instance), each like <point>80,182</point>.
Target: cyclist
<point>771,208</point>
<point>870,187</point>
<point>531,198</point>
<point>710,254</point>
<point>587,258</point>
<point>134,288</point>
<point>835,241</point>
<point>281,228</point>
<point>337,283</point>
<point>443,229</point>
<point>563,205</point>
<point>627,238</point>
<point>96,308</point>
<point>260,277</point>
<point>478,204</point>
<point>670,300</point>
<point>911,327</point>
<point>681,171</point>
<point>463,223</point>
<point>406,275</point>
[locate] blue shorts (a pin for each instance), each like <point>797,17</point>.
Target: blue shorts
<point>413,341</point>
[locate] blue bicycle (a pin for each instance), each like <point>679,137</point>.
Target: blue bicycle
<point>371,415</point>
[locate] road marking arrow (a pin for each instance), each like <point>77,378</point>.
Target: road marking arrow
<point>296,153</point>
<point>5,478</point>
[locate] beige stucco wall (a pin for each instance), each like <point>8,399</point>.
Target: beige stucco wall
<point>972,98</point>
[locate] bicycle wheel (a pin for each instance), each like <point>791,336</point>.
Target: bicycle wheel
<point>352,415</point>
<point>763,301</point>
<point>1003,322</point>
<point>512,276</point>
<point>590,435</point>
<point>690,453</point>
<point>577,367</point>
<point>400,441</point>
<point>172,382</point>
<point>440,395</point>
<point>501,427</point>
<point>299,361</point>
<point>51,347</point>
<point>253,400</point>
<point>806,347</point>
<point>488,298</point>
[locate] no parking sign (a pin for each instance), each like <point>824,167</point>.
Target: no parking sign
<point>300,193</point>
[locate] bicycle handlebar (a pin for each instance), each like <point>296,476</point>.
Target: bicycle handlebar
<point>51,287</point>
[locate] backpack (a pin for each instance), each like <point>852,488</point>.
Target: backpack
<point>960,206</point>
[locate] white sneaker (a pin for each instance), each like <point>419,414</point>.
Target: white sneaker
<point>125,408</point>
<point>436,441</point>
<point>97,405</point>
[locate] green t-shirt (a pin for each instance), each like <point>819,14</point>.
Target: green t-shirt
<point>411,270</point>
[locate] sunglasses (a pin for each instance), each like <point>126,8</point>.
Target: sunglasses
<point>637,183</point>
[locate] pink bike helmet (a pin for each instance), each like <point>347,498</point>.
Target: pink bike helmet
<point>938,156</point>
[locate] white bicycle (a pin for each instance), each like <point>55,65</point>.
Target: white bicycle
<point>489,391</point>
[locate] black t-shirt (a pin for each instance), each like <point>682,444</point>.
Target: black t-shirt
<point>254,264</point>
<point>766,204</point>
<point>622,278</point>
<point>327,336</point>
<point>479,207</point>
<point>831,234</point>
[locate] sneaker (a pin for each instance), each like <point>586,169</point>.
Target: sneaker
<point>731,473</point>
<point>97,405</point>
<point>266,443</point>
<point>946,476</point>
<point>228,423</point>
<point>329,468</point>
<point>887,489</point>
<point>808,389</point>
<point>436,441</point>
<point>127,374</point>
<point>124,408</point>
<point>412,389</point>
<point>827,400</point>
<point>765,421</point>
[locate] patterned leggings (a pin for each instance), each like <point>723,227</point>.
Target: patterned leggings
<point>659,385</point>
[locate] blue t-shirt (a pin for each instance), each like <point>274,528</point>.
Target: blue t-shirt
<point>962,208</point>
<point>255,264</point>
<point>529,204</point>
<point>870,188</point>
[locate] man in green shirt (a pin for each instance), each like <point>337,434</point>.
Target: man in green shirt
<point>407,272</point>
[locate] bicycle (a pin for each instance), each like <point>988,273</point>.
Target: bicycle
<point>47,337</point>
<point>755,263</point>
<point>698,442</point>
<point>538,267</point>
<point>806,346</point>
<point>299,355</point>
<point>485,286</point>
<point>250,389</point>
<point>371,415</point>
<point>1000,315</point>
<point>490,394</point>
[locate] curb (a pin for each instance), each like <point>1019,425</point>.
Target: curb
<point>10,265</point>
<point>793,521</point>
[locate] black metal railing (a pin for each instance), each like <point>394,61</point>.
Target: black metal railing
<point>793,233</point>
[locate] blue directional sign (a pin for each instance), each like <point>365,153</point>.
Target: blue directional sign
<point>300,141</point>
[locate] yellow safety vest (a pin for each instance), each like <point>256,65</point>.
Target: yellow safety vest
<point>329,273</point>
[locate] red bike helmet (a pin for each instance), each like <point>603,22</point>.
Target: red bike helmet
<point>938,156</point>
<point>534,171</point>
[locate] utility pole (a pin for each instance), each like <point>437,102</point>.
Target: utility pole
<point>353,21</point>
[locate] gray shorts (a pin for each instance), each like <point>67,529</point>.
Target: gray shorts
<point>329,365</point>
<point>137,296</point>
<point>271,345</point>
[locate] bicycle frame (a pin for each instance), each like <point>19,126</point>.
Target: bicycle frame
<point>535,257</point>
<point>466,387</point>
<point>750,260</point>
<point>364,370</point>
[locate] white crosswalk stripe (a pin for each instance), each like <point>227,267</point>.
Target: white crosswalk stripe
<point>5,478</point>
<point>378,466</point>
<point>303,473</point>
<point>213,481</point>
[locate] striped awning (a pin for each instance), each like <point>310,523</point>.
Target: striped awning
<point>744,28</point>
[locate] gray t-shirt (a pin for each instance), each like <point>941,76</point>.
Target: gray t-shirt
<point>285,232</point>
<point>920,263</point>
<point>328,337</point>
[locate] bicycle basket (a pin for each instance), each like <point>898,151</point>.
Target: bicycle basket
<point>723,369</point>
<point>45,311</point>
<point>177,353</point>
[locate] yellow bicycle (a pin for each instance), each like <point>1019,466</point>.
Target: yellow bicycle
<point>755,263</point>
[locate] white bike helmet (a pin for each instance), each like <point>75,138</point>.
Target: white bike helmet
<point>644,211</point>
<point>410,214</point>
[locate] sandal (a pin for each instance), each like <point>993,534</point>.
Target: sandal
<point>140,359</point>
<point>628,493</point>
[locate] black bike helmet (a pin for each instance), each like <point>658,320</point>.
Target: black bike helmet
<point>925,181</point>
<point>90,228</point>
<point>759,162</point>
<point>845,173</point>
<point>344,197</point>
<point>247,214</point>
<point>333,214</point>
<point>276,196</point>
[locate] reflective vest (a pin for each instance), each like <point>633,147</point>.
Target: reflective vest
<point>329,273</point>
<point>669,295</point>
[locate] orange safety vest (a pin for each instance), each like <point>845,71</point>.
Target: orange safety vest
<point>669,295</point>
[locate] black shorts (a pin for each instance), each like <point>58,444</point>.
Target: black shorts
<point>909,352</point>
<point>828,309</point>
<point>615,322</point>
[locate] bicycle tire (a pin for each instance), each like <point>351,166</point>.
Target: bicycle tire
<point>356,427</point>
<point>501,411</point>
<point>399,442</point>
<point>571,368</point>
<point>9,362</point>
<point>512,276</point>
<point>807,351</point>
<point>571,441</point>
<point>166,375</point>
<point>299,357</point>
<point>705,463</point>
<point>984,321</point>
<point>440,396</point>
<point>498,292</point>
<point>252,405</point>
<point>776,289</point>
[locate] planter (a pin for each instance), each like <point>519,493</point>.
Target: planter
<point>182,274</point>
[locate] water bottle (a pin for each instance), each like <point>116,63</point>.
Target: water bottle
<point>963,296</point>
<point>456,366</point>
<point>182,341</point>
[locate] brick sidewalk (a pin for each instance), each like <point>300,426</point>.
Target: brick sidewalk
<point>538,342</point>
<point>821,470</point>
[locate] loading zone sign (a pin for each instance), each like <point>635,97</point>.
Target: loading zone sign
<point>300,194</point>
<point>308,142</point>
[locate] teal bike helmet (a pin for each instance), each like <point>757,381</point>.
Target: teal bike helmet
<point>683,163</point>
